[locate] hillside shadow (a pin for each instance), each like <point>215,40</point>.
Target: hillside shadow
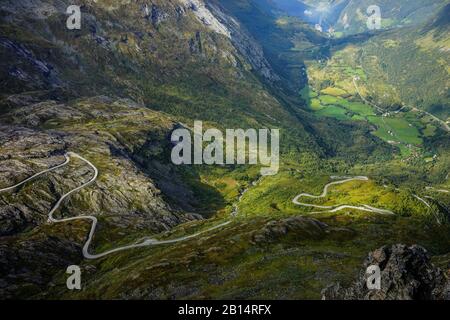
<point>181,186</point>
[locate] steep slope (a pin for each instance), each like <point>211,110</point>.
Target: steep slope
<point>400,67</point>
<point>287,42</point>
<point>350,16</point>
<point>90,91</point>
<point>353,18</point>
<point>395,82</point>
<point>130,57</point>
<point>127,143</point>
<point>114,91</point>
<point>424,83</point>
<point>278,36</point>
<point>122,50</point>
<point>324,13</point>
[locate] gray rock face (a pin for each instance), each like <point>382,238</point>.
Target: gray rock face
<point>406,274</point>
<point>27,266</point>
<point>245,44</point>
<point>33,69</point>
<point>123,192</point>
<point>299,227</point>
<point>154,14</point>
<point>127,196</point>
<point>195,44</point>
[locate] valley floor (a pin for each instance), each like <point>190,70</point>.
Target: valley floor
<point>309,244</point>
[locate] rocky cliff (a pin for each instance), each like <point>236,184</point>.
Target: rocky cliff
<point>406,274</point>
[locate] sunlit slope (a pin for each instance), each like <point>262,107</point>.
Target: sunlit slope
<point>350,16</point>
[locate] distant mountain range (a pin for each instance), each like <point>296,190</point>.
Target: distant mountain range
<point>350,16</point>
<point>115,91</point>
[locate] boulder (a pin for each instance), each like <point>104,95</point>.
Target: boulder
<point>406,274</point>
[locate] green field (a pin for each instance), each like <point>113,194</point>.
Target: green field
<point>334,91</point>
<point>336,112</point>
<point>396,129</point>
<point>327,100</point>
<point>402,129</point>
<point>359,108</point>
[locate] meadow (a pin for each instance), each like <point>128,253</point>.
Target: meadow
<point>332,93</point>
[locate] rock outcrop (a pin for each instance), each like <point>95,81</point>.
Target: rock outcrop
<point>124,191</point>
<point>406,274</point>
<point>299,228</point>
<point>245,44</point>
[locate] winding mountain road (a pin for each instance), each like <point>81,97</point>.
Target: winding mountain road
<point>422,200</point>
<point>437,190</point>
<point>36,175</point>
<point>86,254</point>
<point>337,208</point>
<point>146,242</point>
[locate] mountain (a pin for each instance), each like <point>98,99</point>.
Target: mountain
<point>86,118</point>
<point>395,81</point>
<point>387,58</point>
<point>286,41</point>
<point>133,44</point>
<point>113,92</point>
<point>408,274</point>
<point>353,17</point>
<point>324,13</point>
<point>106,91</point>
<point>350,16</point>
<point>441,21</point>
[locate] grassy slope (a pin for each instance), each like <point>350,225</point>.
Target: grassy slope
<point>228,263</point>
<point>394,13</point>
